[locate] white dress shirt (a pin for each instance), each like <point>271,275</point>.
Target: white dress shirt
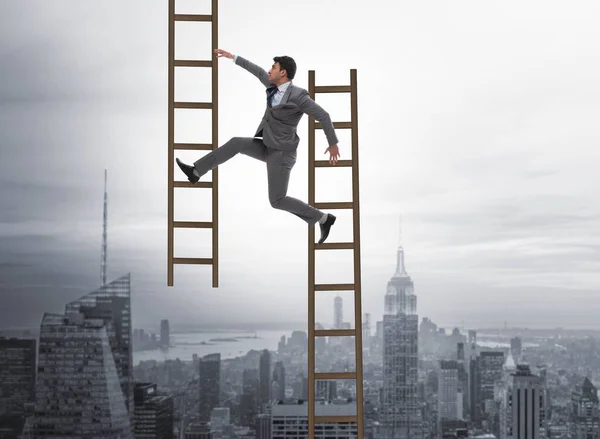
<point>280,90</point>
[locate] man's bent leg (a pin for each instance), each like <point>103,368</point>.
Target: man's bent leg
<point>245,145</point>
<point>279,167</point>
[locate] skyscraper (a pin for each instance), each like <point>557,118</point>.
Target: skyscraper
<point>448,405</point>
<point>585,411</point>
<point>263,426</point>
<point>209,384</point>
<point>491,365</point>
<point>264,370</point>
<point>165,333</point>
<point>366,334</point>
<point>516,346</point>
<point>338,313</point>
<point>78,393</point>
<point>522,405</point>
<point>153,413</point>
<point>279,378</point>
<point>17,381</point>
<point>111,303</point>
<point>401,415</point>
<point>249,401</point>
<point>472,339</point>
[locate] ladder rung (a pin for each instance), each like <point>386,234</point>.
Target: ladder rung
<point>339,125</point>
<point>202,184</point>
<point>335,376</point>
<point>333,89</point>
<point>335,332</point>
<point>335,205</point>
<point>199,261</point>
<point>195,105</point>
<point>323,419</point>
<point>193,224</point>
<point>326,164</point>
<point>335,246</point>
<point>334,287</point>
<point>192,63</point>
<point>192,17</point>
<point>194,146</point>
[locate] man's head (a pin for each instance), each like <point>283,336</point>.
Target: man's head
<point>283,70</point>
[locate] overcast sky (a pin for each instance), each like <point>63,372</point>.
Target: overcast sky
<point>477,123</point>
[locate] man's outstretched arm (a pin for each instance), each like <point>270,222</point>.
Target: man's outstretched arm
<point>310,107</point>
<point>257,71</point>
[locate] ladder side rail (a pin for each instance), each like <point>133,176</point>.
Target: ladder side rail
<point>357,265</point>
<point>215,143</point>
<point>311,266</point>
<point>171,141</point>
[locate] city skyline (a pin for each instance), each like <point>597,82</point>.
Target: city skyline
<point>490,165</point>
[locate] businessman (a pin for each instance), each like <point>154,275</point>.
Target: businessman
<point>275,141</point>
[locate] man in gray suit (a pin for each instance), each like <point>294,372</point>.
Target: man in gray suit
<point>275,141</point>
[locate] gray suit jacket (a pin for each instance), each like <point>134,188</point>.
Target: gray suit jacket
<point>278,125</point>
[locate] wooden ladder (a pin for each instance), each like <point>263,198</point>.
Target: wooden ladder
<point>214,107</point>
<point>355,246</point>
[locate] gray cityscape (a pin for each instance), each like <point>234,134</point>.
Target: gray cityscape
<point>476,249</point>
<point>76,376</point>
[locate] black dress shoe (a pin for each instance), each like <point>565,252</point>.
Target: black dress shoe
<point>188,170</point>
<point>325,227</point>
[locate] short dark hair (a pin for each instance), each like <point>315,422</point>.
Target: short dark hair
<point>288,64</point>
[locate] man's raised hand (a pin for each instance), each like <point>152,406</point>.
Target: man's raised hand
<point>334,153</point>
<point>220,53</point>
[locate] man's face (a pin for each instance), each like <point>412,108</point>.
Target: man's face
<point>275,74</point>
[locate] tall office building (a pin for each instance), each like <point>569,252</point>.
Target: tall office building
<point>289,419</point>
<point>300,387</point>
<point>472,339</point>
<point>448,405</point>
<point>463,378</point>
<point>474,390</point>
<point>264,370</point>
<point>279,379</point>
<point>165,333</point>
<point>78,389</point>
<point>17,383</point>
<point>585,412</point>
<point>516,346</point>
<point>209,384</point>
<point>249,404</point>
<point>111,303</point>
<point>152,414</point>
<point>491,366</point>
<point>263,426</point>
<point>522,406</point>
<point>366,334</point>
<point>338,313</point>
<point>401,414</point>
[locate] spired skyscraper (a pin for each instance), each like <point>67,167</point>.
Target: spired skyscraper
<point>401,414</point>
<point>85,369</point>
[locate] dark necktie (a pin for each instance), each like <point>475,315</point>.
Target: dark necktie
<point>270,95</point>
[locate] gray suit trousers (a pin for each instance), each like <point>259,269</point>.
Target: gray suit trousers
<point>279,166</point>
